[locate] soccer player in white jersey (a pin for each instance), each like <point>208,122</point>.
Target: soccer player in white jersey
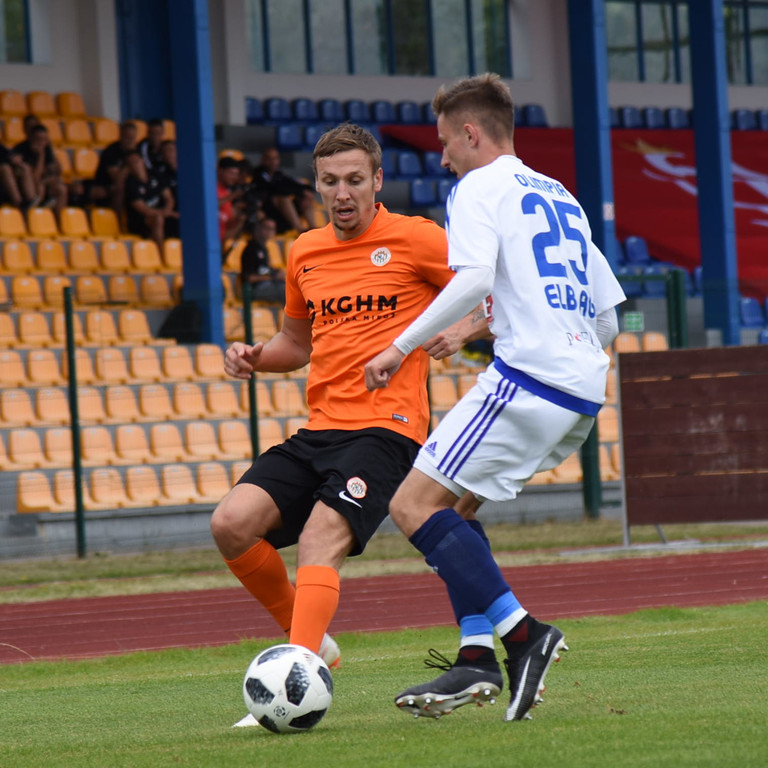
<point>521,239</point>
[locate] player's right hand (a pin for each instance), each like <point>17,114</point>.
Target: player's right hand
<point>240,359</point>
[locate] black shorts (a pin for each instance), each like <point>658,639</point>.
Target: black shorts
<point>355,473</point>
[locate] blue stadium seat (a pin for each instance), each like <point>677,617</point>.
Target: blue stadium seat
<point>330,110</point>
<point>312,134</point>
<point>519,117</point>
<point>383,111</point>
<point>654,288</point>
<point>636,251</point>
<point>356,111</point>
<point>677,117</point>
<point>408,164</point>
<point>762,337</point>
<point>618,252</point>
<point>444,187</point>
<point>613,116</point>
<point>534,116</point>
<point>629,117</point>
<point>698,279</point>
<point>652,117</point>
<point>254,111</point>
<point>408,112</point>
<point>290,136</point>
<point>427,113</point>
<point>277,110</point>
<point>750,312</point>
<point>423,193</point>
<point>389,162</point>
<point>304,110</point>
<point>743,120</point>
<point>632,288</point>
<point>432,165</point>
<point>761,118</point>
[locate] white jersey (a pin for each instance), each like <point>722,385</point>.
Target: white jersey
<point>550,281</point>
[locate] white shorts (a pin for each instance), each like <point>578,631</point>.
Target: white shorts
<point>497,437</point>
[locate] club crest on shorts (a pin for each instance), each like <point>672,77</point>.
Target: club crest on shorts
<point>380,257</point>
<point>357,487</point>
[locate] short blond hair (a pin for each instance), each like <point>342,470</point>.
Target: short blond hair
<point>345,138</point>
<point>483,97</point>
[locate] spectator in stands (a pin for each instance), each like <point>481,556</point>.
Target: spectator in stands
<point>166,169</point>
<point>16,185</point>
<point>266,278</point>
<point>109,181</point>
<point>229,193</point>
<point>150,147</point>
<point>148,204</point>
<point>37,154</point>
<point>280,193</point>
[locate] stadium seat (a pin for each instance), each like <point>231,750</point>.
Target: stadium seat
<point>133,327</point>
<point>8,337</point>
<point>383,111</point>
<point>357,111</point>
<point>636,251</point>
<point>290,136</point>
<point>26,292</point>
<point>155,291</point>
<point>165,443</point>
<point>50,257</point>
<point>73,222</point>
<point>83,367</point>
<point>200,440</point>
<point>254,111</point>
<point>83,256</point>
<point>25,450</point>
<point>408,165</point>
<point>70,104</point>
<point>743,120</point>
<point>423,193</point>
<point>85,161</point>
<point>64,490</point>
<point>77,133</point>
<point>655,288</point>
<point>51,406</point>
<point>33,330</point>
<point>608,472</point>
<point>43,368</point>
<point>761,119</point>
<point>652,117</point>
<point>120,404</point>
<point>610,387</point>
<point>654,341</point>
<point>131,444</point>
<point>264,404</point>
<point>433,165</point>
<point>145,256</point>
<point>237,469</point>
<point>177,363</point>
<point>312,134</point>
<point>629,117</point>
<point>41,103</point>
<point>677,117</point>
<point>263,323</point>
<point>235,439</point>
<point>750,312</point>
<point>442,392</point>
<point>41,223</point>
<point>427,113</point>
<point>569,471</point>
<point>13,130</point>
<point>209,361</point>
<point>142,487</point>
<point>105,131</point>
<point>100,328</point>
<point>90,405</point>
<point>632,288</point>
<point>188,400</point>
<point>114,256</point>
<point>408,112</point>
<point>34,493</point>
<point>65,162</point>
<point>762,336</point>
<point>294,424</point>
<point>608,424</point>
<point>90,289</point>
<point>110,366</point>
<point>304,110</point>
<point>155,402</point>
<point>17,257</point>
<point>444,187</point>
<point>177,485</point>
<point>144,365</point>
<point>534,116</point>
<point>330,111</point>
<point>12,102</point>
<point>287,398</point>
<point>104,223</point>
<point>106,489</point>
<point>55,135</point>
<point>16,408</point>
<point>96,446</point>
<point>221,400</point>
<point>626,342</point>
<point>121,289</point>
<point>12,224</point>
<point>172,254</point>
<point>212,482</point>
<point>276,110</point>
<point>53,290</point>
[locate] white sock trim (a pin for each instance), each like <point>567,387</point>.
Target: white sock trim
<point>508,624</point>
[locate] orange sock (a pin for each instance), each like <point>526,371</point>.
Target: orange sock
<point>262,572</point>
<point>317,597</point>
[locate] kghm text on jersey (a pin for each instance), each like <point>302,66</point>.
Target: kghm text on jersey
<point>344,305</point>
<point>563,296</point>
<point>553,188</point>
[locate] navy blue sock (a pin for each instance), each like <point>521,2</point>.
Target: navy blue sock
<point>462,559</point>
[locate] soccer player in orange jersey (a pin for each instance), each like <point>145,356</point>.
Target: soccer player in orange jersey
<point>350,287</point>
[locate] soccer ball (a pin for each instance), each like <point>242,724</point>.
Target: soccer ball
<point>287,688</point>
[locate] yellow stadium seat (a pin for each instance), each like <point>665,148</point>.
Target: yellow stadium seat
<point>235,154</point>
<point>43,368</point>
<point>114,256</point>
<point>264,325</point>
<point>177,485</point>
<point>64,490</point>
<point>294,424</point>
<point>120,404</point>
<point>52,406</point>
<point>13,131</point>
<point>155,402</point>
<point>105,131</point>
<point>169,130</point>
<point>53,290</point>
<point>41,222</point>
<point>59,329</point>
<point>188,401</point>
<point>16,409</point>
<point>626,342</point>
<point>465,382</point>
<point>543,478</point>
<point>65,163</point>
<point>122,290</point>
<point>653,341</point>
<point>146,256</point>
<point>200,440</point>
<point>106,489</point>
<point>234,252</point>
<point>610,387</point>
<point>234,330</point>
<point>73,222</point>
<point>96,446</point>
<point>90,406</point>
<point>287,398</point>
<point>142,487</point>
<point>155,291</point>
<point>8,337</point>
<point>104,223</point>
<point>209,361</point>
<point>608,424</point>
<point>110,366</point>
<point>570,470</point>
<point>177,363</point>
<point>50,257</point>
<point>12,224</point>
<point>442,392</point>
<point>235,438</point>
<point>608,472</point>
<point>141,128</point>
<point>100,327</point>
<point>5,462</point>
<point>26,292</point>
<point>83,367</point>
<point>34,493</point>
<point>166,444</point>
<point>144,364</point>
<point>131,444</point>
<point>212,482</point>
<point>271,433</point>
<point>17,256</point>
<point>83,256</point>
<point>264,404</point>
<point>172,254</point>
<point>133,327</point>
<point>55,134</point>
<point>33,330</point>
<point>25,450</point>
<point>221,400</point>
<point>70,104</point>
<point>90,289</point>
<point>237,469</point>
<point>85,161</point>
<point>41,103</point>
<point>12,102</point>
<point>12,371</point>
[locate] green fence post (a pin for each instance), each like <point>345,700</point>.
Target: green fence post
<point>253,418</point>
<point>677,316</point>
<point>591,487</point>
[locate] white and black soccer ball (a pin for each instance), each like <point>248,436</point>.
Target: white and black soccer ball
<point>287,688</point>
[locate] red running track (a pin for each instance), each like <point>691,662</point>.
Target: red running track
<point>82,628</point>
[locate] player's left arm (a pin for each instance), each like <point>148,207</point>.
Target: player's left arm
<point>470,328</point>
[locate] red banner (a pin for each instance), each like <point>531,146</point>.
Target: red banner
<point>655,191</point>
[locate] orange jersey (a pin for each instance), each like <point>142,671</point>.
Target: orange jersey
<point>360,294</point>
